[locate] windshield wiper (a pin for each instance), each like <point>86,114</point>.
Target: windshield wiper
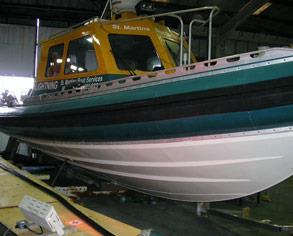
<point>131,72</point>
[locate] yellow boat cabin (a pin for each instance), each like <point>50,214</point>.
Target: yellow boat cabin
<point>100,50</point>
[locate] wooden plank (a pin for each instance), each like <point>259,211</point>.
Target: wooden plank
<point>13,189</point>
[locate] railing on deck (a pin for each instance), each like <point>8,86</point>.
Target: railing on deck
<point>213,11</point>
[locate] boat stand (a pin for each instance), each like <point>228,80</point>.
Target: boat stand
<point>204,209</point>
<point>11,149</point>
<point>58,173</point>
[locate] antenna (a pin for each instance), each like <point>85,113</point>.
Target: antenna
<point>108,4</point>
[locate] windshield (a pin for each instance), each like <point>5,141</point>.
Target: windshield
<point>174,49</point>
<point>134,52</point>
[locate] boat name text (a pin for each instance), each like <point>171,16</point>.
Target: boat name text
<point>46,85</point>
<point>129,27</point>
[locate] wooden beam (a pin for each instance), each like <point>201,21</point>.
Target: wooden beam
<point>246,11</point>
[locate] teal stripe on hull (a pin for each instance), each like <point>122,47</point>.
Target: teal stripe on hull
<point>264,73</point>
<point>194,126</point>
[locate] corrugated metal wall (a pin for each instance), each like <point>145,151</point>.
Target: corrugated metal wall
<point>17,49</point>
<point>17,54</point>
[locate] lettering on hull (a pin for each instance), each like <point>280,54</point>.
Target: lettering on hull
<point>67,83</point>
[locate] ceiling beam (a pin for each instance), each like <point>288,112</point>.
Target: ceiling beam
<point>285,3</point>
<point>264,25</point>
<point>45,8</point>
<point>30,11</point>
<point>246,11</point>
<point>231,6</point>
<point>98,4</point>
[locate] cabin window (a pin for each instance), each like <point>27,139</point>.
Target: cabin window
<point>55,60</point>
<point>174,49</point>
<point>134,52</point>
<point>81,56</point>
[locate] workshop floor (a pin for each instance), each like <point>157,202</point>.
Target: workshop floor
<point>163,216</point>
<point>177,218</point>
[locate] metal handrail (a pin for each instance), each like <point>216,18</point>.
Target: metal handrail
<point>214,10</point>
<point>213,13</point>
<point>210,33</point>
<point>190,36</point>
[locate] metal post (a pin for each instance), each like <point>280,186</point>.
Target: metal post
<point>258,195</point>
<point>105,9</point>
<point>36,47</point>
<point>11,149</point>
<point>210,34</point>
<point>190,36</point>
<point>111,8</point>
<point>58,173</point>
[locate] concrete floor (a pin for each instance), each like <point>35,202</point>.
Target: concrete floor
<point>163,216</point>
<point>177,218</point>
<point>279,210</point>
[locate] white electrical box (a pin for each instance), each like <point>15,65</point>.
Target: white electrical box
<point>42,214</point>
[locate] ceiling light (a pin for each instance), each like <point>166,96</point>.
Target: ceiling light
<point>73,67</point>
<point>262,8</point>
<point>90,39</point>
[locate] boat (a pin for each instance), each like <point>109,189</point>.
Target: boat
<point>126,98</point>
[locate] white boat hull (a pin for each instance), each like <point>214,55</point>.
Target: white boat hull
<point>199,169</point>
